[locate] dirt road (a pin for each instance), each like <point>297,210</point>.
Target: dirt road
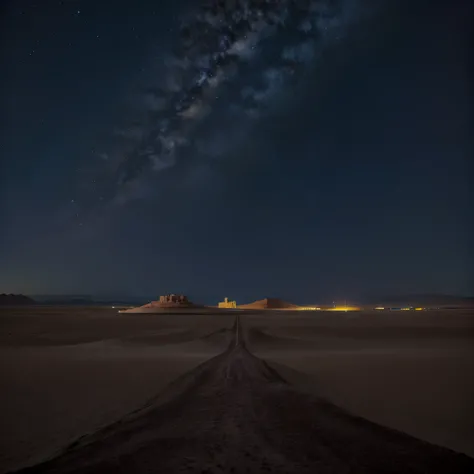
<point>235,414</point>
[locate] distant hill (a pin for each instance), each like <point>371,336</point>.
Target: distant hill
<point>170,302</point>
<point>15,300</point>
<point>269,303</point>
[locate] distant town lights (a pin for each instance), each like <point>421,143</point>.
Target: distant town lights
<point>405,308</point>
<point>345,308</point>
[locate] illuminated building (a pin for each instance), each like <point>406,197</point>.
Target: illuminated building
<point>227,304</point>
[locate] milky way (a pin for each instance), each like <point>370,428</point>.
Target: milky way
<point>231,58</point>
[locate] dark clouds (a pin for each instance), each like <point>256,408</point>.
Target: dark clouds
<point>231,63</point>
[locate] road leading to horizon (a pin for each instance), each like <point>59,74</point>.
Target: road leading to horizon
<point>235,414</point>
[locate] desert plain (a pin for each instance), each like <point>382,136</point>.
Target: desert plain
<point>91,390</point>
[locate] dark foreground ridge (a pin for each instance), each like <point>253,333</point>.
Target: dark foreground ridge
<point>235,414</point>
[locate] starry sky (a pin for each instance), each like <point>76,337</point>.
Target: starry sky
<point>305,149</point>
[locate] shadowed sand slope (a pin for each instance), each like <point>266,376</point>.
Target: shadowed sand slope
<point>269,303</point>
<point>234,413</point>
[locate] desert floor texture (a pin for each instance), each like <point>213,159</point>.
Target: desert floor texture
<point>89,390</point>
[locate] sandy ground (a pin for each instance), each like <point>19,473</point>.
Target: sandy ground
<point>409,371</point>
<point>68,372</point>
<point>68,376</point>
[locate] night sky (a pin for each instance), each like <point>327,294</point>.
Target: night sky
<point>309,150</point>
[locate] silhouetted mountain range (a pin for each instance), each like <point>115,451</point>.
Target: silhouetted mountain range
<point>15,300</point>
<point>424,300</point>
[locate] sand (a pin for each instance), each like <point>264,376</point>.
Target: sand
<point>409,371</point>
<point>70,373</point>
<point>268,303</point>
<point>66,372</point>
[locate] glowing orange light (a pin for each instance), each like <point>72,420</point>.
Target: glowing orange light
<point>344,308</point>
